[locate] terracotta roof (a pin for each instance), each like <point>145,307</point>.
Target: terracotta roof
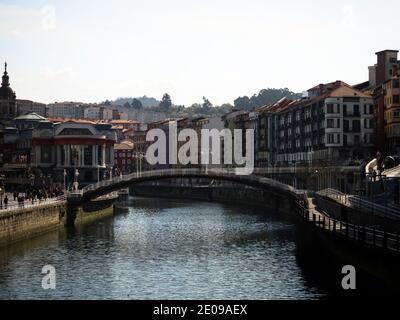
<point>83,121</point>
<point>124,121</point>
<point>124,145</point>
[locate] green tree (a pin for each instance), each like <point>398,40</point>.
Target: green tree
<point>207,105</point>
<point>166,102</point>
<point>136,104</point>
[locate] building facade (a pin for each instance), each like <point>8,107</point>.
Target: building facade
<point>333,126</point>
<point>79,151</point>
<point>66,110</point>
<point>381,75</point>
<point>28,106</point>
<point>124,159</point>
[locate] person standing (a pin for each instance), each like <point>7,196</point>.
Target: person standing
<point>5,202</point>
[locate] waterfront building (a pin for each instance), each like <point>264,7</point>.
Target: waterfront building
<point>124,159</point>
<point>383,77</point>
<point>17,149</point>
<point>391,98</point>
<point>332,126</point>
<point>80,150</point>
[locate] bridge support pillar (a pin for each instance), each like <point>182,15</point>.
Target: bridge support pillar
<point>72,212</point>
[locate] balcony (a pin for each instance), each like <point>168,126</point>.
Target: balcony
<point>352,114</point>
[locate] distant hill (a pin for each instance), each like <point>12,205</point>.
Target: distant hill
<point>147,102</point>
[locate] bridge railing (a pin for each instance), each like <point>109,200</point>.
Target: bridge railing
<point>190,172</point>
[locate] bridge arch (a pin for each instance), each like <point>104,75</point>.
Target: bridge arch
<point>106,186</point>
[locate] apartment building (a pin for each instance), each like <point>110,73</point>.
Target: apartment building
<point>381,75</point>
<point>28,106</point>
<point>332,126</point>
<point>66,110</point>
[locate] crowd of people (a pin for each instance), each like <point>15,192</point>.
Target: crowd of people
<point>31,196</point>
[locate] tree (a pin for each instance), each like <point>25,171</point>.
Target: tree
<point>136,104</point>
<point>166,102</point>
<point>206,104</point>
<point>243,103</point>
<point>264,97</point>
<point>127,105</point>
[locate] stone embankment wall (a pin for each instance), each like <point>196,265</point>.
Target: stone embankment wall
<point>24,223</point>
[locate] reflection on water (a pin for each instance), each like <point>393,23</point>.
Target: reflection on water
<point>164,249</point>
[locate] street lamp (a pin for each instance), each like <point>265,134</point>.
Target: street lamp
<point>76,179</point>
<point>65,178</point>
<point>2,190</point>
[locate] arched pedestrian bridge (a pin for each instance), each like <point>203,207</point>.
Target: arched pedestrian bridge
<point>107,186</point>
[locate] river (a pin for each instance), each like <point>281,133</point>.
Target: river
<point>169,249</point>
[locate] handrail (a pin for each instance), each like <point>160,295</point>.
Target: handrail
<point>28,204</point>
<point>367,235</point>
<point>187,172</point>
<point>358,202</point>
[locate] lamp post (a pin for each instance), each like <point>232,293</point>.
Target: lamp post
<point>76,179</point>
<point>2,190</point>
<point>65,179</point>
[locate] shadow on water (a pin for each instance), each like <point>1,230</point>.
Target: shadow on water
<point>322,267</point>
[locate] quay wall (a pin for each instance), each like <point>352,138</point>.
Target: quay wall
<point>224,194</point>
<point>24,223</point>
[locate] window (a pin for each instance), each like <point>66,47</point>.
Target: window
<point>88,155</point>
<point>396,84</point>
<point>356,125</point>
<point>356,109</point>
<point>330,123</point>
<point>396,99</point>
<point>329,108</point>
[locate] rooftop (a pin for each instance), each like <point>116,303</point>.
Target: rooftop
<point>32,116</point>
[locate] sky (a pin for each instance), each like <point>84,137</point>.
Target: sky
<point>93,50</point>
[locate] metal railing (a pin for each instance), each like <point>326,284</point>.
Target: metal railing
<point>360,203</point>
<point>365,235</point>
<point>201,172</point>
<point>29,204</point>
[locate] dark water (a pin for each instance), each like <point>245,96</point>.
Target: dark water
<point>167,249</point>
